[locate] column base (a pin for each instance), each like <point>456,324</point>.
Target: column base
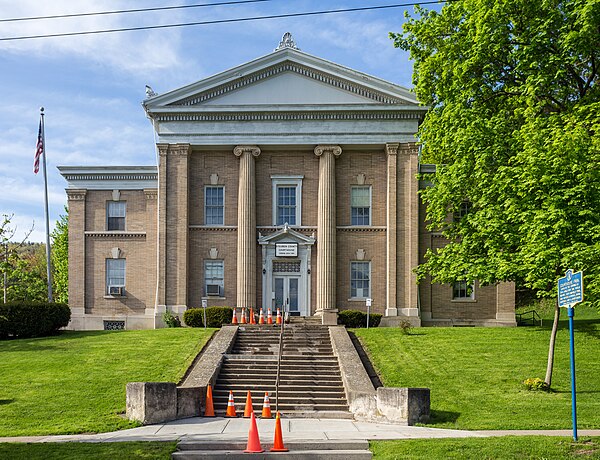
<point>391,311</point>
<point>329,317</point>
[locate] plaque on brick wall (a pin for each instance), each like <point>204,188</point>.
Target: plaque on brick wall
<point>286,250</point>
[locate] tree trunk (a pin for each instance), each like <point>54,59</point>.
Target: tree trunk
<point>550,365</point>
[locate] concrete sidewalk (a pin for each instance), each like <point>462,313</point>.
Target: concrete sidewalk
<point>297,429</point>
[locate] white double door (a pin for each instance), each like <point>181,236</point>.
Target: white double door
<point>286,288</point>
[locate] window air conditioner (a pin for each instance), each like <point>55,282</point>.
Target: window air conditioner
<point>115,290</point>
<point>213,289</point>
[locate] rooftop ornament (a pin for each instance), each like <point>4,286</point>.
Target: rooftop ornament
<point>287,41</point>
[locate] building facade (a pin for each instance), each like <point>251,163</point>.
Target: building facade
<point>288,181</point>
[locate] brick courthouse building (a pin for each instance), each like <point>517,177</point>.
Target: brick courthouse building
<point>286,180</point>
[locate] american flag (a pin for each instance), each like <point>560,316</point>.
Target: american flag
<point>39,149</point>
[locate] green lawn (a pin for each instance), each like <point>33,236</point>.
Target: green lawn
<point>475,374</point>
<point>82,450</point>
<point>75,382</point>
<point>504,448</point>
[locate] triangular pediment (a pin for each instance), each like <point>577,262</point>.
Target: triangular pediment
<point>286,234</point>
<point>285,77</point>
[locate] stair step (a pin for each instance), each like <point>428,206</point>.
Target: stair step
<point>302,454</point>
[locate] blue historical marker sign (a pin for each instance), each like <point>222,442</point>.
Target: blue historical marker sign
<point>570,289</point>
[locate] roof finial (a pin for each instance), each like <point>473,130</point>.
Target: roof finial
<point>287,41</point>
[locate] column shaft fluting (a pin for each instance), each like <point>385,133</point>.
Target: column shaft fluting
<point>246,231</point>
<point>326,229</point>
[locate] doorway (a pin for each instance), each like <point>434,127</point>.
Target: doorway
<point>286,293</point>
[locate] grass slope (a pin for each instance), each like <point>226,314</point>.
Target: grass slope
<point>504,448</point>
<point>475,374</point>
<point>97,451</point>
<point>75,382</point>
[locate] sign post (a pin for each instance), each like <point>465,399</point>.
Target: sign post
<point>368,302</point>
<point>204,305</point>
<point>570,292</point>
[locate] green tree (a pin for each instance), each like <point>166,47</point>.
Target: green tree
<point>60,258</point>
<point>514,126</point>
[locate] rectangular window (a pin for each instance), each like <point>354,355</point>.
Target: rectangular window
<point>287,200</point>
<point>213,277</point>
<point>115,277</point>
<point>463,290</point>
<point>286,205</point>
<point>214,205</point>
<point>360,202</point>
<point>462,210</point>
<point>360,276</point>
<point>115,215</point>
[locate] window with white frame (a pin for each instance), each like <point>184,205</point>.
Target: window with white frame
<point>360,205</point>
<point>463,290</point>
<point>360,280</point>
<point>214,205</point>
<point>287,200</point>
<point>115,277</point>
<point>115,215</point>
<point>214,278</point>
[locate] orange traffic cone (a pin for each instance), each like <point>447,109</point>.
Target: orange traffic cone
<point>209,409</point>
<point>261,318</point>
<point>266,412</point>
<point>243,319</point>
<point>234,319</point>
<point>230,406</point>
<point>252,318</point>
<point>278,442</point>
<point>248,409</point>
<point>278,319</point>
<point>269,316</point>
<point>253,445</point>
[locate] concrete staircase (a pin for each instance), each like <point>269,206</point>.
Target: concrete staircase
<point>313,450</point>
<point>310,380</point>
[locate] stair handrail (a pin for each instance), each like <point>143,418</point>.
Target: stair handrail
<point>281,332</point>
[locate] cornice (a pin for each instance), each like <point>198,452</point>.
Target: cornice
<point>115,235</point>
<point>353,229</point>
<point>300,69</point>
<point>286,116</point>
<point>212,228</point>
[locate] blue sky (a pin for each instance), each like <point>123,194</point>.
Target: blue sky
<point>92,86</point>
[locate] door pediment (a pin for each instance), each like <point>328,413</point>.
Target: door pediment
<point>286,235</point>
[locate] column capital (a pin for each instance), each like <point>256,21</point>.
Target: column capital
<point>335,149</point>
<point>240,149</point>
<point>76,194</point>
<point>391,149</point>
<point>173,149</point>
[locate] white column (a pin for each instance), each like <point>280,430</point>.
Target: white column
<point>246,232</point>
<point>326,234</point>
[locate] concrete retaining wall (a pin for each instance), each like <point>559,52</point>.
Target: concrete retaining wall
<point>384,404</point>
<point>157,402</point>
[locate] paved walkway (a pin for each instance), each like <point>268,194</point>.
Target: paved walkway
<point>224,429</point>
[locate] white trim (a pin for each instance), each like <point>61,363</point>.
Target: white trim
<point>214,186</point>
<point>277,181</point>
<point>370,187</point>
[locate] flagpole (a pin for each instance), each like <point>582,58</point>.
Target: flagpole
<point>48,263</point>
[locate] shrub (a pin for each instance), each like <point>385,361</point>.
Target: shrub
<point>32,319</point>
<point>215,316</point>
<point>171,320</point>
<point>405,327</point>
<point>357,318</point>
<point>536,384</point>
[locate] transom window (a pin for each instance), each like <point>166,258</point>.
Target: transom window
<point>360,280</point>
<point>360,202</point>
<point>463,290</point>
<point>214,271</point>
<point>287,200</point>
<point>115,215</point>
<point>214,205</point>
